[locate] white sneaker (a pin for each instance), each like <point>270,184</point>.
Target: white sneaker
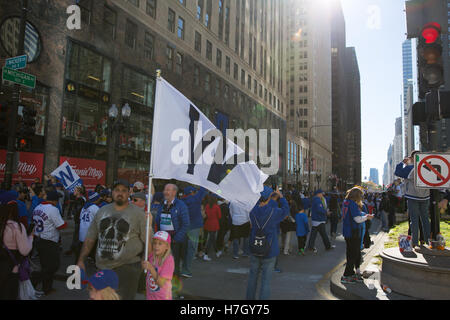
<point>218,254</point>
<point>206,258</point>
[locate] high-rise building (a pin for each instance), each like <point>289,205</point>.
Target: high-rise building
<point>391,166</point>
<point>227,56</point>
<point>407,63</point>
<point>308,82</point>
<point>346,103</point>
<point>374,176</point>
<point>386,174</point>
<point>397,149</point>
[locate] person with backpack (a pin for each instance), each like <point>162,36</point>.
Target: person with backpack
<point>264,219</point>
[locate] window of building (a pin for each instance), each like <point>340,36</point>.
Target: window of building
<point>208,50</point>
<point>130,34</point>
<point>228,65</point>
<point>135,2</point>
<point>260,91</point>
<point>217,88</point>
<point>207,82</point>
<point>235,71</point>
<point>265,94</point>
<point>151,8</point>
<point>169,56</point>
<point>249,82</point>
<point>226,91</point>
<point>196,75</point>
<point>181,28</point>
<point>198,42</point>
<point>171,21</point>
<point>208,14</point>
<point>149,43</point>
<point>86,11</point>
<point>255,87</point>
<point>200,10</point>
<point>179,64</point>
<point>109,22</point>
<point>219,58</point>
<point>243,77</point>
<point>183,2</point>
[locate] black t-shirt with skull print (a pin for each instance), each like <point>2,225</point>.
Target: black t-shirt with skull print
<point>120,235</point>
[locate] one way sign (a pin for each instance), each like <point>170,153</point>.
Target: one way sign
<point>432,170</point>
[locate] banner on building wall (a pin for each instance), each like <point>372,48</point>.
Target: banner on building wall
<point>29,168</point>
<point>92,172</point>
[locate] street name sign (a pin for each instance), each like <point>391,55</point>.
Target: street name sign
<point>16,63</point>
<point>432,170</point>
<point>22,78</point>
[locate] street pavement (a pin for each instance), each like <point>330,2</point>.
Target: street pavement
<point>302,277</point>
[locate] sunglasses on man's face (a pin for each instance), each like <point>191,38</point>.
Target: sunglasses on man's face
<point>136,199</point>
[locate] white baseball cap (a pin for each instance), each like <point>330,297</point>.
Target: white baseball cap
<point>138,185</point>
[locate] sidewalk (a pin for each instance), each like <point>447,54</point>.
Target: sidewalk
<point>371,289</point>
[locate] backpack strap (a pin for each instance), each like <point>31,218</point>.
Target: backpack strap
<point>264,223</point>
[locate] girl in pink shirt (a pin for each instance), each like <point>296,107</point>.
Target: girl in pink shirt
<point>160,267</point>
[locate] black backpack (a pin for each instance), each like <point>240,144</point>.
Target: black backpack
<point>260,247</point>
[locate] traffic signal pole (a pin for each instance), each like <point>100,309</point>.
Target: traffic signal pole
<point>11,148</point>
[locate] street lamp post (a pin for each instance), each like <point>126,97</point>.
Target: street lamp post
<point>310,152</point>
<point>117,121</point>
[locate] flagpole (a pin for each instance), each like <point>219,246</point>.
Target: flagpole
<point>150,175</point>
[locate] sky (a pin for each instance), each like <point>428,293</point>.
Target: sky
<point>376,28</point>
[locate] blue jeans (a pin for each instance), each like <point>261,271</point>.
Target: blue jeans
<point>192,244</point>
<point>246,247</point>
<point>265,267</point>
<point>416,209</point>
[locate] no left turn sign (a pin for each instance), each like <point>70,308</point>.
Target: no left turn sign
<point>432,170</point>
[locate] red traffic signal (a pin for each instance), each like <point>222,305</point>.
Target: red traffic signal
<point>431,32</point>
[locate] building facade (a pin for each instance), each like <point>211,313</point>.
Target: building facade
<point>226,56</point>
<point>374,175</point>
<point>346,104</point>
<point>407,64</point>
<point>308,85</point>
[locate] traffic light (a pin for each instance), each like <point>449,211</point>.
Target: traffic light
<point>431,69</point>
<point>27,129</point>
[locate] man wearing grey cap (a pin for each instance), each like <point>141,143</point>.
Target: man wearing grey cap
<point>139,199</point>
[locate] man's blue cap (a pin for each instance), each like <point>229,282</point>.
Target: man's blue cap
<point>265,194</point>
<point>53,196</point>
<point>8,196</point>
<point>158,196</point>
<point>104,279</point>
<point>93,196</point>
<point>318,191</point>
<point>189,190</point>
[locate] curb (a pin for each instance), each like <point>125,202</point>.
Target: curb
<point>352,293</point>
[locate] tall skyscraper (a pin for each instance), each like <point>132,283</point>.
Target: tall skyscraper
<point>407,63</point>
<point>397,150</point>
<point>374,176</point>
<point>309,81</point>
<point>346,104</point>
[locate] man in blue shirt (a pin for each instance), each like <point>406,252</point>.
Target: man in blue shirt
<point>193,201</point>
<point>319,214</point>
<point>173,217</point>
<point>265,218</point>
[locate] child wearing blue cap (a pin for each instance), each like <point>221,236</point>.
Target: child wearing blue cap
<point>103,285</point>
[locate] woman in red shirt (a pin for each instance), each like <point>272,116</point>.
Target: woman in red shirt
<point>211,226</point>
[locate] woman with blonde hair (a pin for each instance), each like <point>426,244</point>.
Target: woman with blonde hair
<point>103,285</point>
<point>351,219</point>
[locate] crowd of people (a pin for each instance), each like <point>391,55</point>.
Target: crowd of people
<point>110,232</point>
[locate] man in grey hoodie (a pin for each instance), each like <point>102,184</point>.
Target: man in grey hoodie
<point>418,199</point>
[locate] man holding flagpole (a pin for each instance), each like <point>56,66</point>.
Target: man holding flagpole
<point>120,229</point>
